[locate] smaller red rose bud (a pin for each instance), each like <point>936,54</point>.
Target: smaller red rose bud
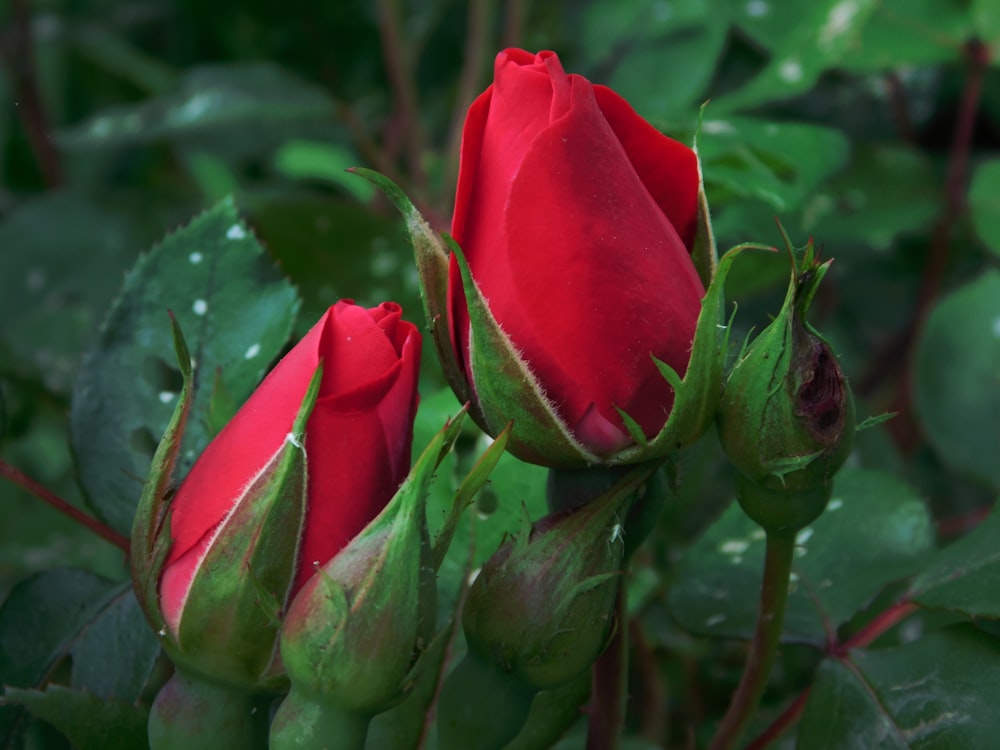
<point>312,456</point>
<point>786,417</point>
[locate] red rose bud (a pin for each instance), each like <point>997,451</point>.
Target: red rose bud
<point>352,634</point>
<point>577,220</point>
<point>573,303</point>
<point>293,477</point>
<point>786,417</point>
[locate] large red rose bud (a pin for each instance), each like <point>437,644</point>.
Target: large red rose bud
<point>315,453</point>
<point>786,418</point>
<point>572,300</point>
<point>577,220</point>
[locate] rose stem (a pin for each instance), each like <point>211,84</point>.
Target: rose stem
<point>880,624</point>
<point>17,50</point>
<point>476,33</point>
<point>763,647</point>
<point>399,71</point>
<point>893,360</point>
<point>22,480</point>
<point>610,683</point>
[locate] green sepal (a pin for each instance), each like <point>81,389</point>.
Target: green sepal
<point>508,391</point>
<point>431,257</point>
<point>149,546</point>
<point>473,482</point>
<point>704,254</point>
<point>696,395</point>
<point>227,630</point>
<point>353,632</point>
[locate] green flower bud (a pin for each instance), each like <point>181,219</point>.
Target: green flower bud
<point>786,417</point>
<point>352,634</point>
<point>542,607</point>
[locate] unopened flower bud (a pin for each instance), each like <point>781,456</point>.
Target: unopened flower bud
<point>786,417</point>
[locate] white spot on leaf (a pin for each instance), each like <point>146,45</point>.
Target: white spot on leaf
<point>717,127</point>
<point>790,71</point>
<point>804,536</point>
<point>838,22</point>
<point>196,258</point>
<point>36,279</point>
<point>714,620</point>
<point>200,307</point>
<point>167,396</point>
<point>252,351</point>
<point>835,504</point>
<point>757,8</point>
<point>236,232</point>
<point>734,547</point>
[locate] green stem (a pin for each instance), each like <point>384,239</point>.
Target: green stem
<point>610,685</point>
<point>773,596</point>
<point>305,724</point>
<point>190,713</point>
<point>481,706</point>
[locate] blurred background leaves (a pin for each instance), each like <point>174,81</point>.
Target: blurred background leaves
<point>871,125</point>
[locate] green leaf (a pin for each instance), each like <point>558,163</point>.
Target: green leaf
<point>114,654</point>
<point>958,378</point>
<point>781,163</point>
<point>641,41</point>
<point>885,191</point>
<point>65,612</point>
<point>965,576</point>
<point>984,203</point>
<point>328,162</point>
<point>803,40</point>
<point>910,33</point>
<point>875,531</point>
<point>938,693</point>
<point>89,721</point>
<point>59,276</point>
<point>210,98</point>
<point>236,312</point>
<point>843,713</point>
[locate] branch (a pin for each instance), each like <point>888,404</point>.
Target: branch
<point>477,29</point>
<point>399,71</point>
<point>17,50</point>
<point>50,498</point>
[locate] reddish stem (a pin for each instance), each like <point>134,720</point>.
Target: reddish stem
<point>18,52</point>
<point>46,495</point>
<point>883,622</point>
<point>476,33</point>
<point>399,70</point>
<point>864,637</point>
<point>610,685</point>
<point>788,717</point>
<point>897,355</point>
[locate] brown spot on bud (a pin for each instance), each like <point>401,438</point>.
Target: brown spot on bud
<point>822,395</point>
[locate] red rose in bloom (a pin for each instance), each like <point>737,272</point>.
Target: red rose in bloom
<point>357,445</point>
<point>577,219</point>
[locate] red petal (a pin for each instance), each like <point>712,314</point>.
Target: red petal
<point>667,168</point>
